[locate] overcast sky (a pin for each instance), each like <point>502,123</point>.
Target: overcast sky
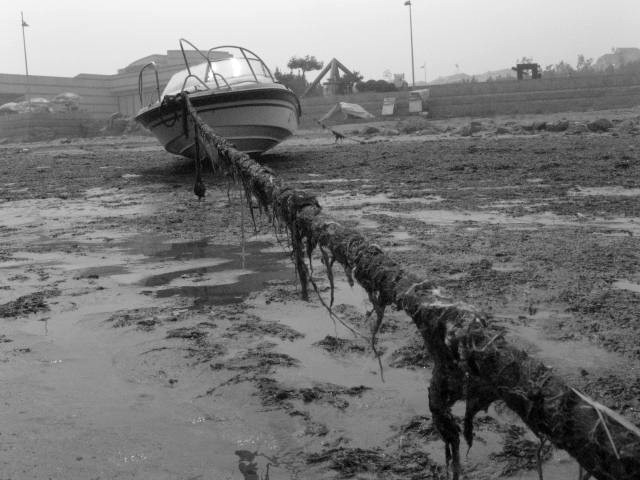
<point>67,37</point>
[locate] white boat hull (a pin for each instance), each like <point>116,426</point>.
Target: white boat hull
<point>254,120</point>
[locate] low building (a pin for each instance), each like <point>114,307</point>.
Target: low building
<point>101,95</point>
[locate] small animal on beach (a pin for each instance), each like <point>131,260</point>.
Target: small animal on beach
<point>199,189</point>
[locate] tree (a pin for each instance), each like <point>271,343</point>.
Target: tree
<point>303,65</point>
<point>296,83</point>
<point>561,69</point>
<point>355,77</point>
<point>348,81</point>
<point>376,86</point>
<point>584,65</point>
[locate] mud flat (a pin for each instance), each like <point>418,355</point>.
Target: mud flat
<point>140,338</point>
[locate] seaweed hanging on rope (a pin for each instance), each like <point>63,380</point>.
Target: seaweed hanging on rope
<point>473,360</point>
<point>198,188</point>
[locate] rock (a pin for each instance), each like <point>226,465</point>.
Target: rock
<point>559,126</point>
<point>370,130</point>
<point>465,131</point>
<point>468,130</point>
<point>628,126</point>
<point>537,126</point>
<point>502,131</point>
<point>600,125</point>
<point>578,128</point>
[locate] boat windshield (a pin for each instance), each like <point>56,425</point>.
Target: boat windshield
<point>227,67</point>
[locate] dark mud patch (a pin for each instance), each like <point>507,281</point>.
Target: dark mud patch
<point>617,393</point>
<point>608,317</point>
<point>341,345</point>
<point>331,394</point>
<point>259,360</point>
<point>206,350</point>
<point>355,317</point>
<point>27,304</point>
<point>5,339</point>
<point>254,326</point>
<point>144,318</point>
<point>272,392</point>
<point>186,333</point>
<point>147,325</point>
<point>520,453</point>
<point>402,464</point>
<point>281,291</point>
<point>419,427</point>
<point>411,356</point>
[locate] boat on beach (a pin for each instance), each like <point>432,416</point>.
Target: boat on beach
<point>234,93</point>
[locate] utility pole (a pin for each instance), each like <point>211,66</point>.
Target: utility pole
<point>413,72</point>
<point>26,64</point>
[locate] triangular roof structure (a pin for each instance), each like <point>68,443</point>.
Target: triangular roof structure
<point>334,66</point>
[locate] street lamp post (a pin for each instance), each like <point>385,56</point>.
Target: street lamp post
<point>26,65</point>
<point>413,72</point>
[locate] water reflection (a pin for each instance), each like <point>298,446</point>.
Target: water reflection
<point>248,464</point>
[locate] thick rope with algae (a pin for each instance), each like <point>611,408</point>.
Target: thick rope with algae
<point>473,360</point>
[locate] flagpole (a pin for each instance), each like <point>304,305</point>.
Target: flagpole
<point>26,65</point>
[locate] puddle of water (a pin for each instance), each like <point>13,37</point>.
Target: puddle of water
<point>90,393</point>
<point>103,271</point>
<point>55,210</point>
<point>351,200</point>
<point>228,275</point>
<point>613,191</point>
<point>508,203</point>
<point>152,274</point>
<point>545,219</point>
<point>448,217</point>
<point>331,180</point>
<point>401,235</point>
<point>353,215</point>
<point>507,267</point>
<point>369,416</point>
<point>627,285</point>
<point>92,414</point>
<point>568,357</point>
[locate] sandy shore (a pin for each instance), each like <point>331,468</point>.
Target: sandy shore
<point>141,338</point>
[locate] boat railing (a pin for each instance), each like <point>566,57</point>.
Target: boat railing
<point>220,80</point>
<point>191,75</point>
<point>245,54</point>
<point>215,75</point>
<point>140,85</point>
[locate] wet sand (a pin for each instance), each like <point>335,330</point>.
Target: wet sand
<point>140,338</point>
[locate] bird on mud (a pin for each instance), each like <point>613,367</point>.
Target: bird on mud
<point>199,189</point>
<point>338,137</point>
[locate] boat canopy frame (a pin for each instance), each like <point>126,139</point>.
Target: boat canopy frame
<point>219,79</point>
<point>140,85</point>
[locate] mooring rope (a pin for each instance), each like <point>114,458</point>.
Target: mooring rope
<point>472,359</point>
